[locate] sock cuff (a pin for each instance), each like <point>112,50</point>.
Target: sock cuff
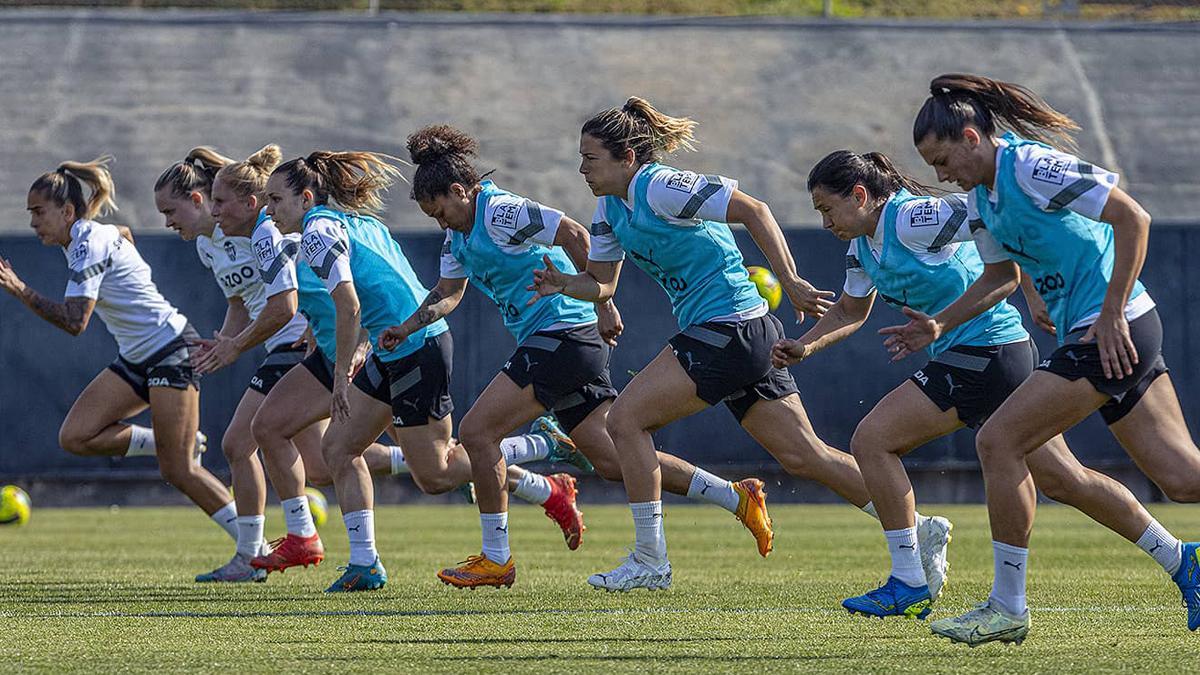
<point>645,509</point>
<point>1009,548</point>
<point>251,519</point>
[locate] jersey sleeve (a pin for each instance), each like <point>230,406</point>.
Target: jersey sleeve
<point>327,251</point>
<point>276,256</point>
<point>927,225</point>
<point>1058,180</point>
<point>686,196</point>
<point>451,268</point>
<point>604,244</point>
<point>858,283</point>
<point>990,250</point>
<point>204,251</point>
<point>88,260</point>
<point>515,223</point>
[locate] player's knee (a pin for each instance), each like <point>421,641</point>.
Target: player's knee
<point>1059,486</point>
<point>318,477</point>
<point>73,440</point>
<point>236,449</point>
<point>434,484</point>
<point>263,429</point>
<point>607,467</point>
<point>1183,488</point>
<point>866,443</point>
<point>177,474</point>
<point>621,426</point>
<point>991,444</point>
<point>475,437</point>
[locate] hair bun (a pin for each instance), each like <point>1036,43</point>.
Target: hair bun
<point>438,141</point>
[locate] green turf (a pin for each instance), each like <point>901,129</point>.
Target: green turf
<point>94,590</point>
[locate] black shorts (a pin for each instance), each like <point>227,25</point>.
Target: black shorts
<point>170,366</point>
<point>731,362</point>
<point>568,369</point>
<point>1075,359</point>
<point>976,380</point>
<point>320,367</point>
<point>278,362</point>
<point>416,386</point>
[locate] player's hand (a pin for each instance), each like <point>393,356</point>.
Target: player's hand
<point>339,405</point>
<point>609,322</point>
<point>308,341</point>
<point>920,332</point>
<point>788,353</point>
<point>1041,314</point>
<point>222,352</point>
<point>359,358</point>
<point>9,280</point>
<point>1118,356</point>
<point>392,337</point>
<point>807,299</point>
<point>549,281</point>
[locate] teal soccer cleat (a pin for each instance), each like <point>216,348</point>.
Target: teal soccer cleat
<point>562,448</point>
<point>360,578</point>
<point>1187,577</point>
<point>893,598</point>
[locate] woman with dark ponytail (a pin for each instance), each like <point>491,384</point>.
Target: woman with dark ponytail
<point>155,343</point>
<point>674,225</point>
<point>497,239</point>
<point>1083,240</point>
<point>916,252</point>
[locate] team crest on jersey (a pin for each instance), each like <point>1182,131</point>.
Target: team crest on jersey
<point>506,214</point>
<point>79,252</point>
<point>683,181</point>
<point>925,213</point>
<point>264,251</point>
<point>1051,170</point>
<point>314,246</point>
<point>231,251</point>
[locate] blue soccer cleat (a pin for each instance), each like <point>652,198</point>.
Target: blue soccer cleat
<point>1187,577</point>
<point>360,578</point>
<point>562,448</point>
<point>893,598</point>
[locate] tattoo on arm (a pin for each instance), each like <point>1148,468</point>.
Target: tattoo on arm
<point>71,315</point>
<point>428,313</point>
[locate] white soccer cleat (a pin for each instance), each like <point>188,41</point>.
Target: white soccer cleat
<point>631,574</point>
<point>200,447</point>
<point>933,537</point>
<point>984,623</point>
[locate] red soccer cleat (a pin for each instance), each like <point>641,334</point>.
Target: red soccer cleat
<point>561,508</point>
<point>291,551</point>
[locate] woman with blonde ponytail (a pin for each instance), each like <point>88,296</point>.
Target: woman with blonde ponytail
<point>155,343</point>
<point>1083,241</point>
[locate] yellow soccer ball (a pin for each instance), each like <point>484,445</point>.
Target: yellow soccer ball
<point>317,506</point>
<point>14,506</point>
<point>767,285</point>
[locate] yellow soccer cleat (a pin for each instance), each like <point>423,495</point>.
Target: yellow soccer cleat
<point>477,570</point>
<point>752,512</point>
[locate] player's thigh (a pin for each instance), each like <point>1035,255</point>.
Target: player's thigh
<point>902,420</point>
<point>106,399</point>
<point>658,395</point>
<point>502,407</point>
<point>1044,406</point>
<point>238,441</point>
<point>1156,436</point>
<point>175,417</point>
<point>297,401</point>
<point>369,418</point>
<point>425,446</point>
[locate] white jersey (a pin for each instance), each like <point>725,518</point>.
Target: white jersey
<point>506,217</point>
<point>235,268</point>
<point>107,268</point>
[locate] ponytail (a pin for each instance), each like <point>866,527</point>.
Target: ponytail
<point>840,171</point>
<point>957,100</point>
<point>443,157</point>
<point>194,174</point>
<point>638,126</point>
<point>249,176</point>
<point>65,185</point>
<point>353,180</point>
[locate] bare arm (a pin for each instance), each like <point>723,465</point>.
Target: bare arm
<point>237,317</point>
<point>575,240</point>
<point>226,347</point>
<point>842,320</point>
<point>71,315</point>
<point>279,310</point>
<point>1131,236</point>
<point>1037,306</point>
<point>349,323</point>
<point>442,300</point>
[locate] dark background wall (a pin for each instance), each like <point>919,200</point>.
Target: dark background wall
<point>44,368</point>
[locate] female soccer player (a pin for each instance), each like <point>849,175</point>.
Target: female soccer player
<point>673,224</point>
<point>154,341</point>
<point>1083,239</point>
<point>497,239</point>
<point>916,251</point>
<point>407,387</point>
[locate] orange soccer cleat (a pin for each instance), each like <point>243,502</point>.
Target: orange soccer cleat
<point>478,570</point>
<point>561,508</point>
<point>752,512</point>
<point>291,551</point>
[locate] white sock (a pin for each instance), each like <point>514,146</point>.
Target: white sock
<point>297,516</point>
<point>906,556</point>
<point>713,489</point>
<point>1162,546</point>
<point>360,528</point>
<point>250,534</point>
<point>495,536</point>
<point>1009,567</point>
<point>398,465</point>
<point>533,488</point>
<point>521,449</point>
<point>650,545</point>
<point>869,509</point>
<point>226,517</point>
<point>141,442</point>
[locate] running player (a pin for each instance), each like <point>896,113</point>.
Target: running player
<point>916,251</point>
<point>673,224</point>
<point>154,341</point>
<point>408,387</point>
<point>1083,239</point>
<point>496,239</point>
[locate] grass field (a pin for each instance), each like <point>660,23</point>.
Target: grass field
<point>94,590</point>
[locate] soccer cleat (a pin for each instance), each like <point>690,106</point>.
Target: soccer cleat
<point>752,512</point>
<point>478,570</point>
<point>562,448</point>
<point>631,574</point>
<point>236,571</point>
<point>1187,577</point>
<point>561,508</point>
<point>467,490</point>
<point>360,578</point>
<point>200,447</point>
<point>291,551</point>
<point>933,538</point>
<point>893,598</point>
<point>983,624</point>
